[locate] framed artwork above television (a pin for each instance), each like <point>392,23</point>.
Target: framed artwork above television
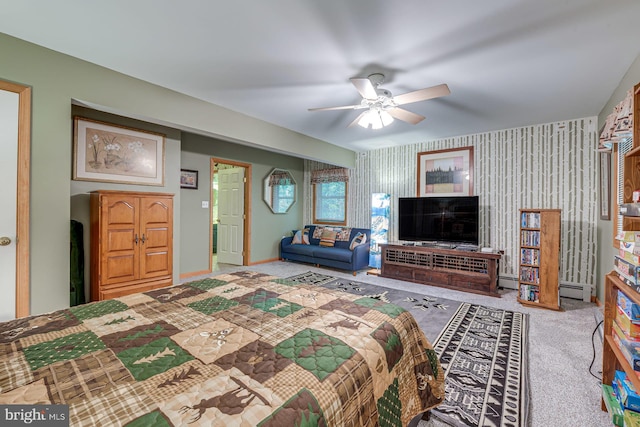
<point>445,172</point>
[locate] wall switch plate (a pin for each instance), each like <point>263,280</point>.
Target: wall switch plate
<point>205,204</point>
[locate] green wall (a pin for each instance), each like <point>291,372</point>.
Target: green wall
<point>266,228</point>
<point>606,252</point>
<point>58,79</point>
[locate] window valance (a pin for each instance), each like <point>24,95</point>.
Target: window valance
<point>330,175</point>
<point>281,177</point>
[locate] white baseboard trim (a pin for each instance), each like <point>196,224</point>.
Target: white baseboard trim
<point>581,291</point>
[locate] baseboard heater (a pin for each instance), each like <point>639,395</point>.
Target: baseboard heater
<point>581,291</point>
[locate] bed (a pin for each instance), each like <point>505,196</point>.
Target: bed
<point>241,349</point>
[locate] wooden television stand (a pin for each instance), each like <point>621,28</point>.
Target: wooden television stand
<point>461,270</point>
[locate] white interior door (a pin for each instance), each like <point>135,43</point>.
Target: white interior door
<point>9,102</point>
<point>230,216</point>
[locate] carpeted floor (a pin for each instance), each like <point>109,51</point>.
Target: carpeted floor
<point>561,350</point>
<point>483,351</point>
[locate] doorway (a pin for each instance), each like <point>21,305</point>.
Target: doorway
<point>15,143</point>
<point>230,212</point>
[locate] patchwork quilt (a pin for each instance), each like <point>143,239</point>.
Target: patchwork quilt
<point>242,349</point>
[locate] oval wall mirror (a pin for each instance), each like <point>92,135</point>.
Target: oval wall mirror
<point>279,191</point>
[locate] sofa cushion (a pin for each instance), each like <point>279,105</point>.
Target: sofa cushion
<point>306,250</point>
<point>335,254</point>
<point>328,238</point>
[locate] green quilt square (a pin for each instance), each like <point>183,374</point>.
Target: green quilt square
<point>155,419</point>
<point>277,306</point>
<point>389,339</point>
<point>206,284</point>
<point>212,305</point>
<point>390,406</point>
<point>153,358</point>
<point>97,309</point>
<point>315,351</point>
<point>390,310</point>
<point>63,348</point>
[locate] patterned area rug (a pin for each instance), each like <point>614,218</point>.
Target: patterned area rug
<point>483,351</point>
<point>431,313</point>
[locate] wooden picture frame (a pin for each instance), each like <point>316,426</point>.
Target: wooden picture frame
<point>189,179</point>
<point>445,172</point>
<point>106,152</point>
<point>605,185</point>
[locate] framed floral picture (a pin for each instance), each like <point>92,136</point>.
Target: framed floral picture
<point>445,172</point>
<point>189,179</point>
<point>109,153</point>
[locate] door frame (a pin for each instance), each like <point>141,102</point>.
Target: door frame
<point>246,247</point>
<point>23,191</point>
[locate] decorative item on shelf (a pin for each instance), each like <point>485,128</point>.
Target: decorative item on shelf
<point>445,172</point>
<point>189,179</point>
<point>109,153</point>
<point>618,125</point>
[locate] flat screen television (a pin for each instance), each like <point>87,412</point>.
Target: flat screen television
<point>439,219</point>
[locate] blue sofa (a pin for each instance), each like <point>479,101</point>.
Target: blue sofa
<point>337,256</point>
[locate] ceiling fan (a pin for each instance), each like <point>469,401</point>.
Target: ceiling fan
<point>382,107</point>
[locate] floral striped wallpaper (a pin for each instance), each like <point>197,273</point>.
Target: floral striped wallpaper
<point>550,165</point>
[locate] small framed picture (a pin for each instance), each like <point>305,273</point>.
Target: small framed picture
<point>188,179</point>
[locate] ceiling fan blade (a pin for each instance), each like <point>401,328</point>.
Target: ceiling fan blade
<point>365,88</point>
<point>357,119</point>
<point>422,94</point>
<point>405,115</point>
<point>344,107</point>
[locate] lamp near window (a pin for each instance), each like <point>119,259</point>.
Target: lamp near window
<point>376,117</point>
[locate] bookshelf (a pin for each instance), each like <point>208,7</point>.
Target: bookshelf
<point>538,272</point>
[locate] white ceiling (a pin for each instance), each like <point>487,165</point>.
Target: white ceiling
<point>508,63</point>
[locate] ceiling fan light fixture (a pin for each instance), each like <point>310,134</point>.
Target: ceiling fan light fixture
<point>376,118</point>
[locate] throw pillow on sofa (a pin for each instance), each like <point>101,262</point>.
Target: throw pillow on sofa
<point>358,239</point>
<point>328,238</point>
<point>301,237</point>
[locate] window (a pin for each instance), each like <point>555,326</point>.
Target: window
<point>283,197</point>
<point>330,196</point>
<point>330,203</point>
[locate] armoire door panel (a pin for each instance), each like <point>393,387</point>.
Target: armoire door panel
<point>120,268</point>
<point>119,212</point>
<point>155,264</point>
<point>157,211</point>
<point>121,240</point>
<point>156,238</point>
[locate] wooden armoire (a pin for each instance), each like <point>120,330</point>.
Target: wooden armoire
<point>131,242</point>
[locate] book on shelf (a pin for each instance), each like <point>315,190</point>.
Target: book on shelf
<point>628,236</point>
<point>630,247</point>
<point>625,267</point>
<point>530,238</point>
<point>530,256</point>
<point>628,281</point>
<point>530,220</point>
<point>629,256</point>
<point>530,293</point>
<point>530,274</point>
